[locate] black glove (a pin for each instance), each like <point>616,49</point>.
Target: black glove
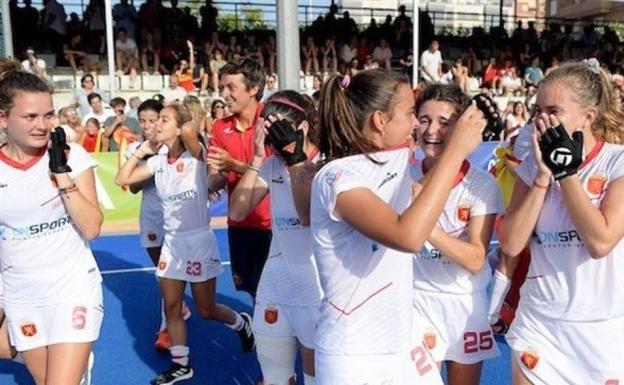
<point>495,123</point>
<point>287,141</point>
<point>58,152</point>
<point>563,155</point>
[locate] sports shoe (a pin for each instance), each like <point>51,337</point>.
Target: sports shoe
<point>162,343</point>
<point>86,376</point>
<point>175,373</point>
<point>245,334</point>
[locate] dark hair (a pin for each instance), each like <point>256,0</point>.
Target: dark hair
<point>252,72</point>
<point>214,103</point>
<point>92,96</point>
<point>344,110</point>
<point>150,105</point>
<point>450,93</point>
<point>279,102</point>
<point>117,102</point>
<point>14,82</point>
<point>85,77</point>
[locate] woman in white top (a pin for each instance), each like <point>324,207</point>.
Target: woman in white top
<point>289,293</point>
<point>189,252</point>
<point>52,285</point>
<point>515,120</point>
<point>450,271</point>
<point>567,205</point>
<point>365,230</point>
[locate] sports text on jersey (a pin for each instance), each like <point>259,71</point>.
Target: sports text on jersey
<point>34,231</point>
<point>183,196</point>
<point>432,255</point>
<point>568,238</point>
<point>284,223</point>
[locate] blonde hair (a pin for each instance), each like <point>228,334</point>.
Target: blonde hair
<point>590,88</point>
<point>182,114</point>
<point>195,107</point>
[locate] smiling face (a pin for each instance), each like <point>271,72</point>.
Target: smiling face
<point>434,121</point>
<point>235,92</point>
<point>402,121</point>
<point>147,121</point>
<point>29,121</point>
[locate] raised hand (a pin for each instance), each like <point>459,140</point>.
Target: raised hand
<point>58,152</point>
<point>286,140</point>
<point>561,153</point>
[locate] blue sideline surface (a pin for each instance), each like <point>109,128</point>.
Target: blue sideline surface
<point>124,353</point>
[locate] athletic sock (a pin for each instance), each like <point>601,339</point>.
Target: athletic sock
<point>163,317</point>
<point>238,324</point>
<point>180,354</point>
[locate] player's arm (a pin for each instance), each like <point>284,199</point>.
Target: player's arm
<point>600,228</point>
<point>132,172</point>
<point>190,139</point>
<point>301,176</point>
<point>248,192</point>
<point>469,254</point>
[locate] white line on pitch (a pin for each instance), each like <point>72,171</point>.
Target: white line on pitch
<point>142,269</point>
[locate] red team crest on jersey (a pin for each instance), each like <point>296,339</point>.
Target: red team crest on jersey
<point>463,212</point>
<point>529,359</point>
<point>151,236</point>
<point>596,184</point>
<point>180,167</point>
<point>430,339</point>
<point>270,315</point>
<point>29,329</point>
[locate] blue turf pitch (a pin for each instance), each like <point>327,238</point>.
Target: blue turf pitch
<point>124,354</point>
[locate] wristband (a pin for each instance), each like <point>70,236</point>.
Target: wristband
<point>252,168</point>
<point>68,189</point>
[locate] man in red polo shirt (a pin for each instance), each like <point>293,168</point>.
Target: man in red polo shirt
<point>231,150</point>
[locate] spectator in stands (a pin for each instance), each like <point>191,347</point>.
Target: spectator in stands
<point>431,63</point>
<point>173,93</point>
<point>75,25</point>
<point>150,52</point>
<point>233,48</point>
<point>28,19</point>
<point>363,50</point>
<point>491,74</point>
<point>125,16</point>
<point>317,83</point>
<point>120,128</point>
<point>349,50</point>
<point>216,64</point>
<point>70,121</point>
<point>94,17</point>
<point>213,44</point>
<point>617,78</point>
<point>208,15</point>
<point>511,83</point>
<point>270,50</point>
<point>447,75</point>
<point>253,50</point>
<point>76,55</point>
<point>460,75</point>
<point>554,64</point>
<point>270,86</point>
<point>370,63</point>
<point>134,103</point>
<point>533,74</point>
<point>515,121</point>
<point>185,70</point>
<point>231,150</point>
<point>330,59</point>
<point>91,137</point>
<point>382,54</point>
<point>151,16</point>
<point>87,87</point>
<point>217,109</point>
<point>200,117</point>
<point>310,56</point>
<point>126,56</point>
<point>34,65</point>
<point>97,109</point>
<point>54,24</point>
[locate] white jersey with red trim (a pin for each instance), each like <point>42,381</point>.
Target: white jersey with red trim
<point>475,194</point>
<point>44,258</point>
<point>290,275</point>
<point>367,286</point>
<point>564,281</point>
<point>182,186</point>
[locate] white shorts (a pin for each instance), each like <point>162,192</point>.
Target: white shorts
<point>565,352</point>
<point>151,228</point>
<point>455,327</point>
<point>287,321</point>
<point>75,320</point>
<point>411,367</point>
<point>191,256</point>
